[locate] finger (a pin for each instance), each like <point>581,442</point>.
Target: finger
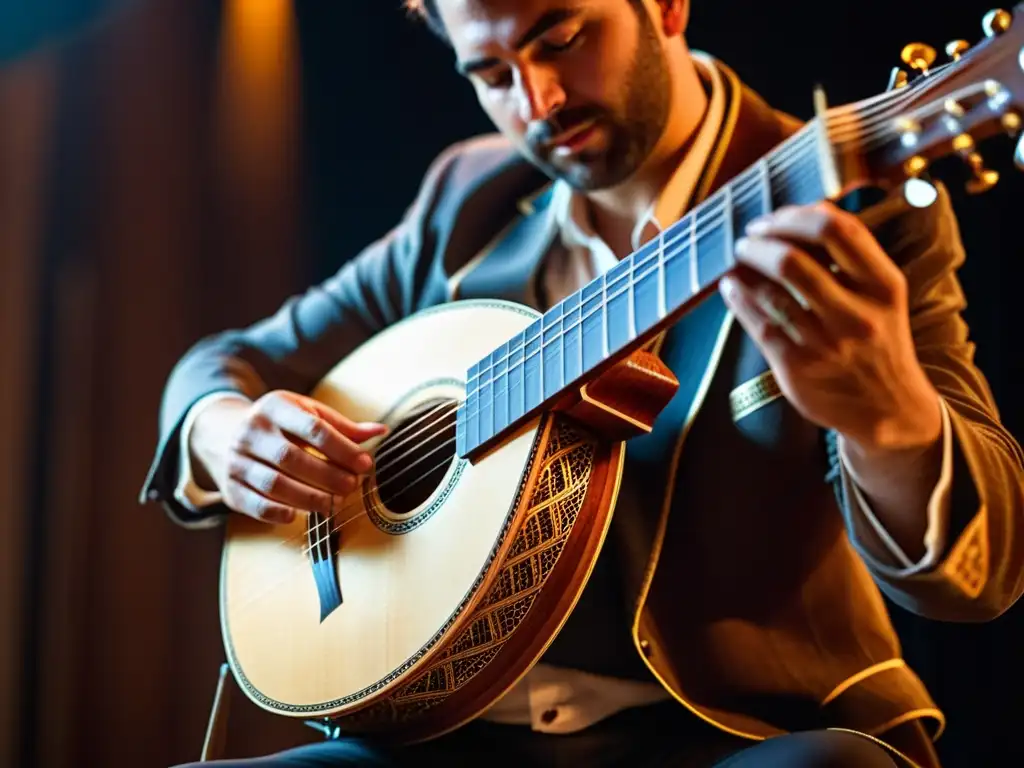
<point>278,487</point>
<point>245,500</point>
<point>810,284</point>
<point>771,316</point>
<point>848,241</point>
<point>274,449</point>
<point>320,433</point>
<point>358,431</point>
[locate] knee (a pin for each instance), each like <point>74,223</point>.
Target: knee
<point>813,749</point>
<point>837,749</point>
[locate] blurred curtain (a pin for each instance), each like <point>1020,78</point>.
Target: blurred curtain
<point>26,90</point>
<point>149,196</point>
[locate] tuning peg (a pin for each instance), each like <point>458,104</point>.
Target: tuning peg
<point>995,22</point>
<point>957,48</point>
<point>918,56</point>
<point>1011,122</point>
<point>984,178</point>
<point>897,79</point>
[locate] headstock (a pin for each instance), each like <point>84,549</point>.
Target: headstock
<point>946,110</point>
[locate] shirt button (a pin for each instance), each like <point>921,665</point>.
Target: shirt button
<point>549,716</point>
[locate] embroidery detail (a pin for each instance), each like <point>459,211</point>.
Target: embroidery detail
<point>753,394</point>
<point>967,564</point>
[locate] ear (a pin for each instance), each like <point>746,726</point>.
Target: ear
<point>674,16</point>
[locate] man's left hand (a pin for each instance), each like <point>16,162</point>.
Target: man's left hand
<point>834,326</point>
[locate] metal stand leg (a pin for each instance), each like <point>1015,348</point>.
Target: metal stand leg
<point>213,745</point>
<point>326,727</point>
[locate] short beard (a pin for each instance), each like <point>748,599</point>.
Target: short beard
<point>637,131</point>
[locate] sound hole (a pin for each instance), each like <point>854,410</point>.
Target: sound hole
<point>413,459</point>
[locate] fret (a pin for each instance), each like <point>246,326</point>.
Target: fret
<point>617,305</point>
<point>487,404</point>
<point>592,310</point>
<point>716,228</point>
<point>693,252</point>
<point>472,411</point>
<point>572,346</point>
<point>500,396</point>
<point>516,390</point>
<point>728,231</point>
<point>766,186</point>
<point>533,368</point>
<point>677,268</point>
<point>661,275</point>
<point>551,355</point>
<point>648,288</point>
<point>797,181</point>
<point>751,204</point>
<point>603,311</point>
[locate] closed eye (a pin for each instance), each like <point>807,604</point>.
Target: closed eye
<point>548,46</point>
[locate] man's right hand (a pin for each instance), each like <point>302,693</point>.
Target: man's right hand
<point>255,454</point>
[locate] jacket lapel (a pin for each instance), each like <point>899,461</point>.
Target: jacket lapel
<point>508,267</point>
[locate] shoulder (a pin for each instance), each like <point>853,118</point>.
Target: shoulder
<point>471,191</point>
<point>483,170</point>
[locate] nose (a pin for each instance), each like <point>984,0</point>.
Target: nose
<point>539,92</point>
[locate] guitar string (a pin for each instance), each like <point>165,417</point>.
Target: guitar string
<point>448,409</point>
<point>358,503</point>
<point>793,147</point>
<point>882,131</point>
<point>671,253</point>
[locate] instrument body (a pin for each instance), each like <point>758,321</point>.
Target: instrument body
<point>447,602</point>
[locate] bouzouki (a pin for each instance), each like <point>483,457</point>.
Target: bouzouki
<point>437,584</point>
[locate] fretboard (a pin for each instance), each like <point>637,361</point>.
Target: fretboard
<point>640,296</point>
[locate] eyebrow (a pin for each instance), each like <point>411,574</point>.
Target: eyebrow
<point>550,19</point>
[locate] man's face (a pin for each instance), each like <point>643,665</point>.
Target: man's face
<point>581,87</point>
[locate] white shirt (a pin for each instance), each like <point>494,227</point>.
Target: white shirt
<point>558,700</point>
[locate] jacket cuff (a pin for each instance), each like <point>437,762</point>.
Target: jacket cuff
<point>187,492</point>
<point>876,544</point>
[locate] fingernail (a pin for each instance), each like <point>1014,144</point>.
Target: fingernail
<point>728,287</point>
<point>282,517</point>
<point>741,245</point>
<point>373,426</point>
<point>364,462</point>
<point>758,226</point>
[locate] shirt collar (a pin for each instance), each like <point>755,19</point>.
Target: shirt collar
<point>570,209</point>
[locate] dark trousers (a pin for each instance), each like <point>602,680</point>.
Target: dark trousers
<point>658,736</point>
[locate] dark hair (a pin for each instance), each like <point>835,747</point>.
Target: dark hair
<point>427,10</point>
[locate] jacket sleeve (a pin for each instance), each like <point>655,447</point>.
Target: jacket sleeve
<point>980,572</point>
<point>299,344</point>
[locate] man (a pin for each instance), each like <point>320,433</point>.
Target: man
<point>870,450</point>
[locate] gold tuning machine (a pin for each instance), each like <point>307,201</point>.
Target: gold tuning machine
<point>898,79</point>
<point>1012,123</point>
<point>995,22</point>
<point>984,179</point>
<point>956,49</point>
<point>918,56</point>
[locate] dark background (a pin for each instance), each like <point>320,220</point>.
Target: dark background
<point>161,178</point>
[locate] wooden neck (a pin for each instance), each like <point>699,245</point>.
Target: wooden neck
<point>639,297</point>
